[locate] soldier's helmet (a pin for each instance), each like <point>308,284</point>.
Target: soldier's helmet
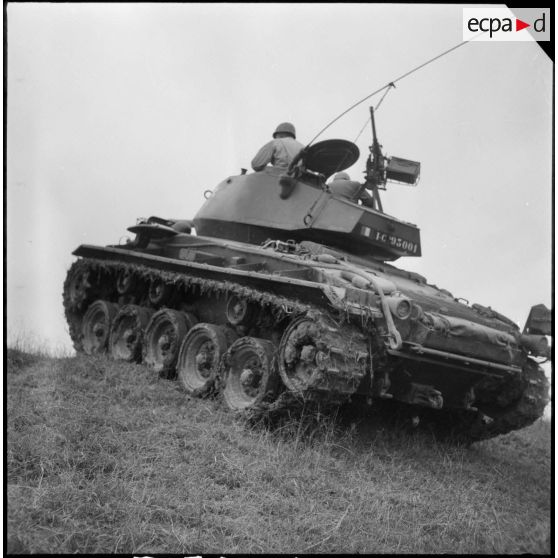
<point>341,176</point>
<point>285,128</point>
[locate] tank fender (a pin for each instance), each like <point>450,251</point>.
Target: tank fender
<point>183,226</point>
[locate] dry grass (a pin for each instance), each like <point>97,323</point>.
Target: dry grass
<point>105,457</point>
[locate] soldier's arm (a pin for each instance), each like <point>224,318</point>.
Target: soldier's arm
<point>263,157</point>
<point>366,199</point>
<point>363,196</point>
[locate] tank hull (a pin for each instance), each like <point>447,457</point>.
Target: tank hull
<point>337,325</point>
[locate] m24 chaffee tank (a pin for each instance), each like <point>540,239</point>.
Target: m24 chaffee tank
<point>279,292</point>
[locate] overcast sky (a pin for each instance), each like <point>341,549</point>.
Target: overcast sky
<point>120,111</point>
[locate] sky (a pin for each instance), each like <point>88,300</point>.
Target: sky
<point>120,111</point>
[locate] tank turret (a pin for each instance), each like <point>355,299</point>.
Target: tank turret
<point>296,204</point>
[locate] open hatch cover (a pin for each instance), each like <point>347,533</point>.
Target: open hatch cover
<point>331,156</point>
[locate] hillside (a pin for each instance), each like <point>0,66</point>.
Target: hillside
<point>106,457</point>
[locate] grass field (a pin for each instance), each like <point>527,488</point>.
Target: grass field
<point>106,457</point>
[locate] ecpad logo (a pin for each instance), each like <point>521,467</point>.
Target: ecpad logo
<point>501,24</point>
<point>495,24</point>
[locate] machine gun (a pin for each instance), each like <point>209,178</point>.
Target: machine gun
<point>380,169</point>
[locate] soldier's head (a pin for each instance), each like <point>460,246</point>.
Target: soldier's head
<point>285,130</point>
<point>341,176</point>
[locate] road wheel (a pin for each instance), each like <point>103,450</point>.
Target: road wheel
<point>200,356</point>
<point>125,282</point>
<point>318,359</point>
<point>302,354</point>
<point>95,327</point>
<point>78,289</point>
<point>158,292</point>
<point>126,335</point>
<point>249,373</point>
<point>163,336</point>
<point>239,311</point>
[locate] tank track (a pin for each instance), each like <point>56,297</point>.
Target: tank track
<point>510,407</point>
<point>531,398</point>
<point>329,387</point>
<point>526,410</point>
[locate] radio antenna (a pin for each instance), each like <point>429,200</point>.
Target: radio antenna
<point>390,84</point>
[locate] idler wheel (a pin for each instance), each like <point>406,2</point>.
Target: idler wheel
<point>95,327</point>
<point>159,292</point>
<point>200,356</point>
<point>250,374</point>
<point>126,334</point>
<point>239,311</point>
<point>304,356</point>
<point>78,289</point>
<point>163,336</point>
<point>125,282</point>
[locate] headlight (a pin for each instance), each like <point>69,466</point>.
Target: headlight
<point>401,308</point>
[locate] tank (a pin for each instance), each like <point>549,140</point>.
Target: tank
<point>280,293</point>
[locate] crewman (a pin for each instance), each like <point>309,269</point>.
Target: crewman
<point>280,151</point>
<point>343,187</point>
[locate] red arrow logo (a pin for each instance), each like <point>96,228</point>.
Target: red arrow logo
<point>519,25</point>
